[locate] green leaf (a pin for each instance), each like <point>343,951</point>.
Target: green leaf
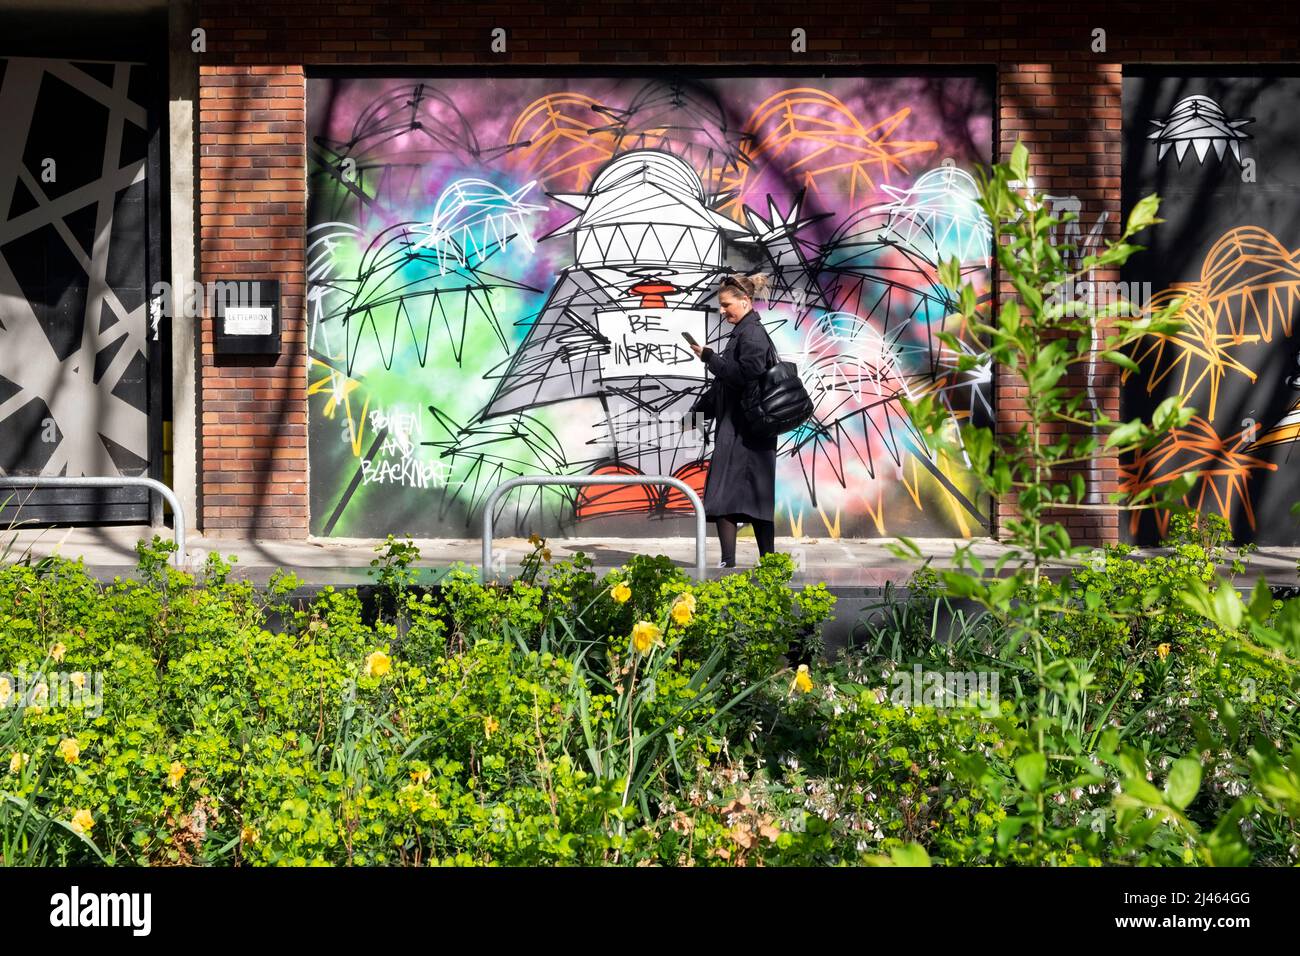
<point>1288,627</point>
<point>910,545</point>
<point>1009,317</point>
<point>1020,162</point>
<point>950,274</point>
<point>1122,360</point>
<point>909,854</point>
<point>962,585</point>
<point>1126,434</point>
<point>978,443</point>
<point>1133,767</point>
<point>1176,489</point>
<point>1031,294</point>
<point>1031,769</point>
<point>1143,215</point>
<point>1184,781</point>
<point>1000,594</point>
<point>1170,414</point>
<point>1261,602</point>
<point>1225,842</point>
<point>1226,607</point>
<point>1008,829</point>
<point>966,300</point>
<point>1228,717</point>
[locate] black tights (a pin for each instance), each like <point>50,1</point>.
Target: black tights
<point>764,533</point>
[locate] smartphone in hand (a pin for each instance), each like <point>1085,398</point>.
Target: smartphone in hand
<point>689,338</point>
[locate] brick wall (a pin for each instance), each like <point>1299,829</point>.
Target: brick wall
<point>1069,114</point>
<point>1053,92</point>
<point>252,214</point>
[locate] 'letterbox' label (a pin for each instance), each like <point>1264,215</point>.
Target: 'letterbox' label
<point>243,320</point>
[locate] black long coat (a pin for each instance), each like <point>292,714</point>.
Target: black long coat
<point>741,483</point>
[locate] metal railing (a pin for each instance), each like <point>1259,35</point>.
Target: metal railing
<point>123,481</point>
<point>701,534</point>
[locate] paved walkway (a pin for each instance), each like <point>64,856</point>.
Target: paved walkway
<point>837,562</point>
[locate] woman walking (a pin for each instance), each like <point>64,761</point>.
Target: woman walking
<point>741,482</point>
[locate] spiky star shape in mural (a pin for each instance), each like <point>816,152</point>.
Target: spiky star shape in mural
<point>1220,461</point>
<point>940,216</point>
<point>777,236</point>
<point>473,217</point>
<point>1198,122</point>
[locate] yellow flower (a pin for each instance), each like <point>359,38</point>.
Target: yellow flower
<point>802,680</point>
<point>6,691</point>
<point>546,554</point>
<point>490,725</point>
<point>684,609</point>
<point>1163,650</point>
<point>58,650</point>
<point>621,592</point>
<point>421,776</point>
<point>17,762</point>
<point>79,679</point>
<point>82,821</point>
<point>247,835</point>
<point>174,774</point>
<point>645,635</point>
<point>410,795</point>
<point>535,540</point>
<point>69,749</point>
<point>377,664</point>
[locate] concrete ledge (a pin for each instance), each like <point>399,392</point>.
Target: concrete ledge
<point>859,572</point>
<point>839,563</point>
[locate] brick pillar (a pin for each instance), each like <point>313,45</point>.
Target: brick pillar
<point>252,215</point>
<point>1068,114</point>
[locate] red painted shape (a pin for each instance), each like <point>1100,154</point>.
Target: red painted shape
<point>694,475</point>
<point>652,292</point>
<point>599,500</point>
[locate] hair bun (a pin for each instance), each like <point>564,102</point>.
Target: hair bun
<point>752,286</point>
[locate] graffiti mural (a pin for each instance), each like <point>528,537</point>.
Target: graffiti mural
<point>500,273</point>
<point>1218,150</point>
<point>74,269</point>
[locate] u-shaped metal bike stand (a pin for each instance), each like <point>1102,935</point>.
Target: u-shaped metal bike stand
<point>582,480</point>
<point>120,481</point>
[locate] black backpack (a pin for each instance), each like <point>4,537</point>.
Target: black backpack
<point>776,401</point>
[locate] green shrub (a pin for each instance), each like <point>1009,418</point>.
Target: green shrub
<point>522,724</point>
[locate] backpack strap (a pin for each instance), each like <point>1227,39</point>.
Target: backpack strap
<point>772,357</point>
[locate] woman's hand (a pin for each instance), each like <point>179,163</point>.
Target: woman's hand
<point>697,349</point>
